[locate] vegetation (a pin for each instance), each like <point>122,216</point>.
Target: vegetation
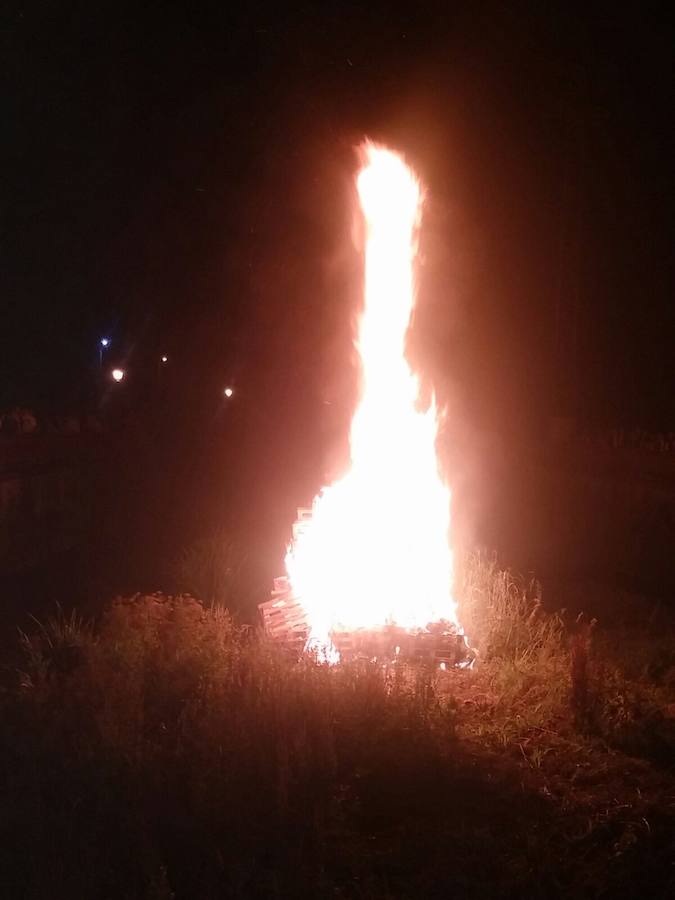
<point>218,571</point>
<point>170,752</point>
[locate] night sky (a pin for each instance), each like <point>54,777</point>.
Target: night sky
<point>179,177</point>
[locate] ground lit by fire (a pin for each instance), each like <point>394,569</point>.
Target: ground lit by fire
<point>375,551</point>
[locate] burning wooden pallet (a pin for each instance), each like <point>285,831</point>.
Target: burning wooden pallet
<point>439,643</point>
<point>284,618</point>
<point>285,622</point>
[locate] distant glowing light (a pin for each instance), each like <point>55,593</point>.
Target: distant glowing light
<point>105,342</point>
<point>165,359</point>
<point>228,392</point>
<point>117,374</point>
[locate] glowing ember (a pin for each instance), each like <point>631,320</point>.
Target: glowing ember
<point>375,550</point>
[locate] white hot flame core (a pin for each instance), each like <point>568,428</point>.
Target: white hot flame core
<point>375,551</point>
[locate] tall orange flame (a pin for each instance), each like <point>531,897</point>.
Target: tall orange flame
<point>375,550</point>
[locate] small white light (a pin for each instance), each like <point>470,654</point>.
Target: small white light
<point>105,342</point>
<point>165,359</point>
<point>228,392</point>
<point>117,374</point>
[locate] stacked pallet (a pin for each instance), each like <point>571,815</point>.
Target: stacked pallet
<point>285,621</point>
<point>433,646</point>
<point>283,617</point>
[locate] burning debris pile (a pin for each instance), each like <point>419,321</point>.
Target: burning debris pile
<point>441,643</point>
<point>369,569</point>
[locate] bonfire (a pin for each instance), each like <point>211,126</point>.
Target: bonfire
<point>369,570</point>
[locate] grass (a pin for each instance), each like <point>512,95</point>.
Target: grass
<point>216,569</point>
<point>169,752</point>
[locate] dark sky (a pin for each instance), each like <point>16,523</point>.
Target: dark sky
<point>179,176</point>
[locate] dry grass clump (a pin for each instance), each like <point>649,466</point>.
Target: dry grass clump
<point>523,674</point>
<point>545,678</point>
<point>631,701</point>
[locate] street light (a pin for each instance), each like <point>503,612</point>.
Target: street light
<point>117,375</point>
<point>102,345</point>
<point>228,392</point>
<point>165,359</point>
